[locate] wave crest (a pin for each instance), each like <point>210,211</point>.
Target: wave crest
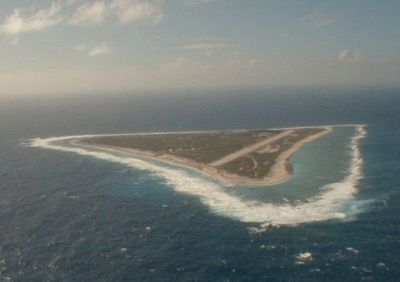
<point>331,203</point>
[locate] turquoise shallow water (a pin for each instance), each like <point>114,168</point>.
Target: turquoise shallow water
<point>315,195</point>
<point>319,163</point>
<point>70,217</point>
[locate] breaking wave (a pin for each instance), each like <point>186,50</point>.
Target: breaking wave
<point>333,202</point>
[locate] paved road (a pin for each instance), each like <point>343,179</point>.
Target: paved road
<point>249,149</point>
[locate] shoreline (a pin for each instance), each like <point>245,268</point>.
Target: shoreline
<point>213,130</point>
<point>280,172</point>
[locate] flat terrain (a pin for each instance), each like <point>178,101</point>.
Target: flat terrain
<point>200,147</point>
<point>253,156</point>
<point>258,163</point>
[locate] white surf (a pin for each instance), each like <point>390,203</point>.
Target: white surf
<point>331,203</point>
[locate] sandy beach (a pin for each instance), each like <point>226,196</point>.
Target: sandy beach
<point>280,172</point>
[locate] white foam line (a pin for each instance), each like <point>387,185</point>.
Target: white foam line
<point>331,203</point>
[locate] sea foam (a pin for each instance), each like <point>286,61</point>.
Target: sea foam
<point>332,202</point>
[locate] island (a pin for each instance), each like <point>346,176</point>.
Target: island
<point>237,157</point>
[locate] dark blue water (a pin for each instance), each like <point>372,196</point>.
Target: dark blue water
<point>75,218</point>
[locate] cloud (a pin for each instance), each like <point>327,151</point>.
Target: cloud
<point>127,11</point>
<point>347,56</point>
<point>90,14</point>
<point>99,50</point>
<point>16,23</point>
<point>133,11</point>
<point>87,14</point>
<point>229,62</point>
<point>319,20</point>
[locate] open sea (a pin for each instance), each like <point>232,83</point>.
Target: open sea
<point>76,214</point>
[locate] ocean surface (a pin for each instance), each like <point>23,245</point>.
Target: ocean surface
<point>73,214</point>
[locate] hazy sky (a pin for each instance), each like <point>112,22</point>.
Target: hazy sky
<point>123,45</point>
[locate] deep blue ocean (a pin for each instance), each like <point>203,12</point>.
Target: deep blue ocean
<point>70,216</point>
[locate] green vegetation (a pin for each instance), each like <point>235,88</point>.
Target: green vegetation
<point>208,147</point>
<point>258,164</point>
<point>200,147</point>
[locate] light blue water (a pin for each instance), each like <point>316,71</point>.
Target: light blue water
<point>322,162</point>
